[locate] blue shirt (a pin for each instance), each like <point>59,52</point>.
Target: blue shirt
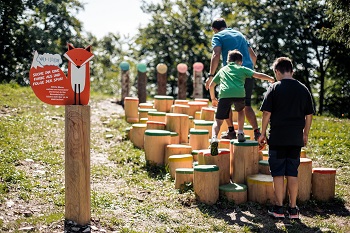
<point>230,39</point>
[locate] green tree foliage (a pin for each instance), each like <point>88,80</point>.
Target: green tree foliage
<point>177,33</point>
<point>291,28</point>
<point>338,12</point>
<point>26,26</point>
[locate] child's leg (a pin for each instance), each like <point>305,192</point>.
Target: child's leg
<point>240,120</point>
<point>216,127</point>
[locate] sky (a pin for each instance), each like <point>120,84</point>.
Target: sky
<point>103,16</point>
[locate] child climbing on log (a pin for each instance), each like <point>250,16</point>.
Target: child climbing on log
<point>231,79</point>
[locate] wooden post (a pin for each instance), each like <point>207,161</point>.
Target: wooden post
<point>77,163</point>
<point>304,179</point>
<point>178,123</point>
<point>197,80</point>
<point>323,183</point>
<point>124,66</point>
<point>206,183</point>
<point>161,78</point>
<point>141,82</point>
<point>182,81</point>
<point>244,160</point>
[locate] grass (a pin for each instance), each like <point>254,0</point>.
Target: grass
<point>128,195</point>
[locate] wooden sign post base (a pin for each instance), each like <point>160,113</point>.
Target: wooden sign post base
<point>77,164</point>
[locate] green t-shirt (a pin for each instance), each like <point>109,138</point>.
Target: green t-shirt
<point>231,79</point>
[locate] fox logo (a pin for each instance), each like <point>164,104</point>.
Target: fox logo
<point>51,85</point>
<point>79,72</point>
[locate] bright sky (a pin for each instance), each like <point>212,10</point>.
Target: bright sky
<point>103,16</point>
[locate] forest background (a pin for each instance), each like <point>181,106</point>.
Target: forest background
<point>314,33</point>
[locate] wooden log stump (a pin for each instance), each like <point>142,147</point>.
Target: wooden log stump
<point>244,160</point>
<point>206,100</point>
<point>131,109</point>
<point>143,120</point>
<point>157,116</point>
<point>304,179</point>
<point>183,176</point>
<point>174,138</point>
<point>224,143</point>
<point>203,124</point>
<point>180,108</point>
<point>163,103</point>
<point>145,105</point>
<point>264,167</point>
<point>303,153</point>
<point>260,188</point>
<point>176,149</point>
<point>190,123</point>
<point>234,192</point>
<point>155,144</point>
<point>155,125</point>
<point>137,135</point>
<point>208,113</point>
<point>143,112</point>
<point>323,183</point>
<point>178,123</point>
<point>179,161</point>
<point>127,132</point>
<point>199,139</point>
<point>196,106</point>
<point>222,160</point>
<point>206,183</point>
<point>181,102</point>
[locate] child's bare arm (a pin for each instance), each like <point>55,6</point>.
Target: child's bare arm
<point>212,93</point>
<point>263,77</point>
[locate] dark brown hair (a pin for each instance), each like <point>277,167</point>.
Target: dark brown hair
<point>234,56</point>
<point>283,65</point>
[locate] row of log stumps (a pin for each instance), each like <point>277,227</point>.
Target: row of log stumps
<point>176,134</point>
<point>162,69</point>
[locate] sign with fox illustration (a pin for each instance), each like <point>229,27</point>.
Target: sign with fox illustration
<point>52,86</point>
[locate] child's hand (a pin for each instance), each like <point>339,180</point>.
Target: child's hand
<point>262,142</point>
<point>214,102</point>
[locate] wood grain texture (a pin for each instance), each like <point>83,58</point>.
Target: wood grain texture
<point>77,163</point>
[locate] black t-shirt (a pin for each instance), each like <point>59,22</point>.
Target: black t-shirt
<point>289,101</point>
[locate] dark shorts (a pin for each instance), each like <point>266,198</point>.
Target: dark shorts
<point>224,107</point>
<point>284,160</point>
<point>248,86</point>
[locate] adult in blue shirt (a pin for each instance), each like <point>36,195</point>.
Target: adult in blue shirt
<point>224,40</point>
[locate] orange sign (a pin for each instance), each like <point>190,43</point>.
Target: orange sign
<point>50,84</point>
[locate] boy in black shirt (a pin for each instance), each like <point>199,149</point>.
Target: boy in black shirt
<point>288,108</point>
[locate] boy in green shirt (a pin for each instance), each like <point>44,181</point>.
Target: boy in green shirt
<point>231,79</point>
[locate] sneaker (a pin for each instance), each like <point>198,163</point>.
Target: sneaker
<point>276,211</point>
<point>229,135</point>
<point>214,146</point>
<point>293,213</point>
<point>256,134</point>
<point>241,137</point>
